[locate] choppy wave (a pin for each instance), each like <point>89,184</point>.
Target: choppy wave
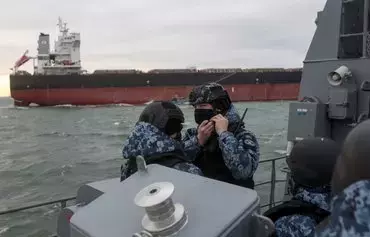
<point>54,134</point>
<point>7,107</point>
<point>90,135</point>
<point>19,108</point>
<point>269,138</point>
<point>92,106</point>
<point>58,171</point>
<point>8,128</point>
<point>149,102</point>
<point>3,230</point>
<point>281,152</point>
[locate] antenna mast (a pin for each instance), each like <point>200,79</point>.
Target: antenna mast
<point>62,27</point>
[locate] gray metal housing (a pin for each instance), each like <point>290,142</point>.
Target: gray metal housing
<point>214,208</point>
<point>43,47</point>
<point>85,194</point>
<point>307,120</point>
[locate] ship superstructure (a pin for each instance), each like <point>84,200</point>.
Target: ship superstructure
<point>65,59</point>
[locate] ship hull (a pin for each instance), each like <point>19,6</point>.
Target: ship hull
<point>139,89</point>
<point>142,95</point>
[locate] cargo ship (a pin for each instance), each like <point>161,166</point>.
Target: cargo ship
<point>58,78</point>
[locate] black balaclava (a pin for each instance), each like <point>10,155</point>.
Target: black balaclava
<point>210,93</point>
<point>174,126</point>
<point>201,115</point>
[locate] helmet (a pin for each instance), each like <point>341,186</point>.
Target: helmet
<point>166,116</point>
<point>312,162</point>
<point>210,93</point>
<point>353,163</point>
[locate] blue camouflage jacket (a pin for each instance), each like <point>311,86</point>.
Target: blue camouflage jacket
<point>147,140</point>
<point>240,151</point>
<point>299,225</point>
<point>350,214</point>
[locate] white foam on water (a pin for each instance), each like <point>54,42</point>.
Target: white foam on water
<point>34,105</point>
<point>125,105</point>
<point>280,152</point>
<point>65,106</point>
<point>20,108</point>
<point>3,230</point>
<point>149,102</point>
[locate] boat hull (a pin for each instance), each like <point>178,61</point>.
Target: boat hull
<point>142,95</point>
<point>135,89</point>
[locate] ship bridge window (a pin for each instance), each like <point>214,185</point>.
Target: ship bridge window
<point>352,29</point>
<point>352,16</point>
<point>43,58</point>
<point>350,47</point>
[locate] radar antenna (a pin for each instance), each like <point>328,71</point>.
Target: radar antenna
<point>62,26</point>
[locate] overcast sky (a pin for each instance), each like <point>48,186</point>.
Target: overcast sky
<point>166,33</point>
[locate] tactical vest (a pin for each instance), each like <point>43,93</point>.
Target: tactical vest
<point>212,164</point>
<point>297,207</point>
<point>169,159</point>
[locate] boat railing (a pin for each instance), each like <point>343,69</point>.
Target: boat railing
<point>273,181</point>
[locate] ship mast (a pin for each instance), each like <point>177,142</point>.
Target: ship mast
<point>62,27</point>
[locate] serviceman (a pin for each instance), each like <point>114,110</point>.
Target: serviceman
<point>311,163</point>
<point>220,146</point>
<point>157,137</point>
<point>350,206</point>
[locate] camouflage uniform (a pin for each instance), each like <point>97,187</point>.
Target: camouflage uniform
<point>240,151</point>
<point>147,140</point>
<point>300,225</point>
<point>350,212</point>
